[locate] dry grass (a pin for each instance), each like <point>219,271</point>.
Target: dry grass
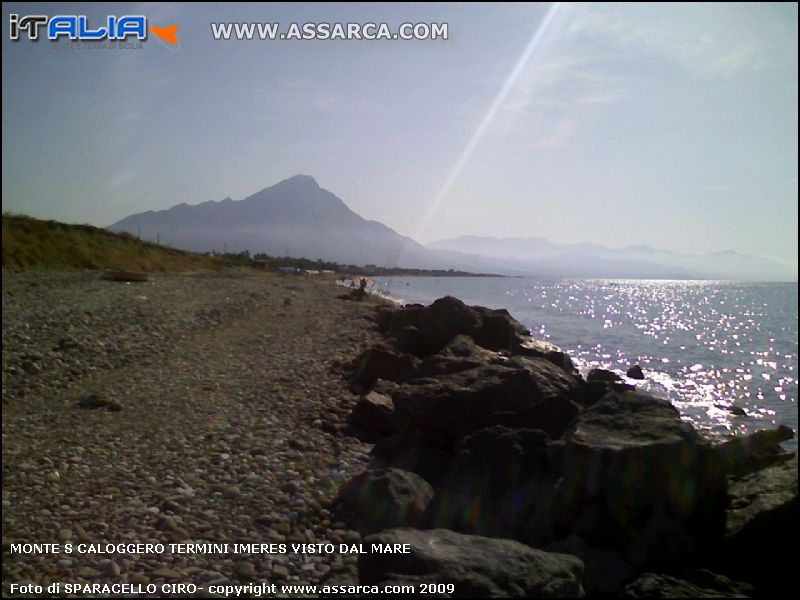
<point>30,243</point>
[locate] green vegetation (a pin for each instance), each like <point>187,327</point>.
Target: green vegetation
<point>30,243</point>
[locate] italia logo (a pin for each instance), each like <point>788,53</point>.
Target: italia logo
<point>78,28</point>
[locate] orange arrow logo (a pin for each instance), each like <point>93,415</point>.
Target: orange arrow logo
<point>166,33</point>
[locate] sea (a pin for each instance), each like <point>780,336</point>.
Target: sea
<point>707,346</point>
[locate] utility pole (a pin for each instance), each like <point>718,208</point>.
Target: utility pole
<point>158,238</point>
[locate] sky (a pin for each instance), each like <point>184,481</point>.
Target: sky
<point>673,126</point>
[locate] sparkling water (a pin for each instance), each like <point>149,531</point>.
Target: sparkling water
<point>707,346</point>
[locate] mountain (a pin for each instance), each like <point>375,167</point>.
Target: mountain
<point>295,217</point>
<point>540,256</point>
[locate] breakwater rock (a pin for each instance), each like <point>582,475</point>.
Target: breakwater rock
<point>501,439</point>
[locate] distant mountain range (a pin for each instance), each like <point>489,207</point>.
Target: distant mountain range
<point>538,255</point>
<point>297,217</point>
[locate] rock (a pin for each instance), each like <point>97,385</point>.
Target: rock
<point>166,573</point>
<point>382,362</point>
<point>424,454</point>
<point>460,354</point>
<point>602,375</point>
<point>501,484</point>
<point>468,400</point>
<point>374,412</point>
<point>475,566</point>
<point>553,415</point>
<point>551,352</point>
<point>382,498</point>
<point>744,454</point>
<point>64,535</point>
<point>605,571</point>
<point>639,480</point>
<point>167,523</point>
<point>738,411</point>
<point>245,570</point>
<point>763,510</point>
<point>650,585</point>
<point>91,401</point>
<point>635,372</point>
<point>447,318</point>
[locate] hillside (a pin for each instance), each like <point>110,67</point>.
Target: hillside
<point>30,243</point>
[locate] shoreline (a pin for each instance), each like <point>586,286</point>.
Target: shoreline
<point>224,408</point>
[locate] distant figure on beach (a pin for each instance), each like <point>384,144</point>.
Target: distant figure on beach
<point>363,284</point>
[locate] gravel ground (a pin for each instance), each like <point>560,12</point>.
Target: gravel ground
<point>228,428</point>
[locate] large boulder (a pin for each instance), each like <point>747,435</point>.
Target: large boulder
<point>651,585</point>
<point>501,484</point>
<point>460,354</point>
<point>602,375</point>
<point>640,480</point>
<point>476,567</point>
<point>605,571</point>
<point>467,400</point>
<point>448,317</point>
<point>382,362</point>
<point>374,413</point>
<point>762,516</point>
<point>743,454</point>
<point>377,499</point>
<point>427,454</point>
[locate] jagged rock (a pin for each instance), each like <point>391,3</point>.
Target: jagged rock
<point>478,567</point>
<point>460,354</point>
<point>448,317</point>
<point>635,372</point>
<point>467,400</point>
<point>639,480</point>
<point>763,511</point>
<point>383,498</point>
<point>424,454</point>
<point>651,585</point>
<point>382,362</point>
<point>602,375</point>
<point>605,571</point>
<point>374,412</point>
<point>552,414</point>
<point>744,454</point>
<point>501,484</point>
<point>544,349</point>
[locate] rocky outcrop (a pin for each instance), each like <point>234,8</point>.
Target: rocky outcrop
<point>437,324</point>
<point>383,498</point>
<point>374,413</point>
<point>707,585</point>
<point>382,362</point>
<point>513,501</point>
<point>460,402</point>
<point>512,444</point>
<point>639,480</point>
<point>763,511</point>
<point>604,571</point>
<point>476,567</point>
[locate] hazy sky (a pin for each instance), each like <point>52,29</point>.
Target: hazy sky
<point>674,126</point>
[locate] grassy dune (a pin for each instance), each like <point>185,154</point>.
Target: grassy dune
<point>30,243</point>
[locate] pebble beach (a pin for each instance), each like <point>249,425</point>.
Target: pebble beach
<point>191,409</point>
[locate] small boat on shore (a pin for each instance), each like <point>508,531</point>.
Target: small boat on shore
<point>119,275</point>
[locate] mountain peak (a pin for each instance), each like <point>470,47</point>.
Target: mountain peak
<point>300,181</point>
